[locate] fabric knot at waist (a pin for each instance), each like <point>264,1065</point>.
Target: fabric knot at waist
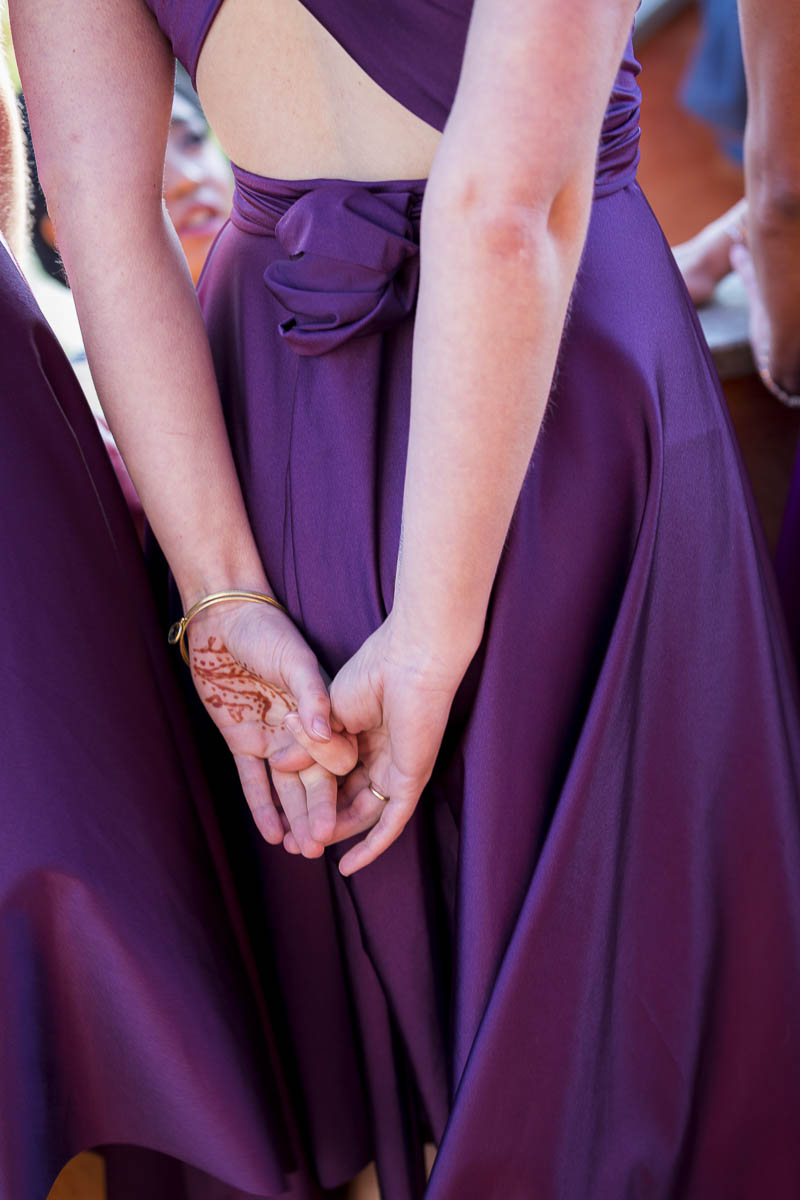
<point>352,254</point>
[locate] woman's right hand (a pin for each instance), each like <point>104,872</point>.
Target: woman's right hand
<point>252,669</point>
<point>396,696</point>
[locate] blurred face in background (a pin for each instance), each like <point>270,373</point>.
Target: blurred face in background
<point>198,184</point>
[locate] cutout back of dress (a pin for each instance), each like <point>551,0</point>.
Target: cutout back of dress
<point>413,50</point>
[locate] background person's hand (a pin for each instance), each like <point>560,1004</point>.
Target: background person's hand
<point>705,259</point>
<point>252,669</point>
<point>782,369</point>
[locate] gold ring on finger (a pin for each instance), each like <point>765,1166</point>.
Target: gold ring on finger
<point>378,795</point>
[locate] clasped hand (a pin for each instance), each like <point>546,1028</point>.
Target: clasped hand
<point>382,724</point>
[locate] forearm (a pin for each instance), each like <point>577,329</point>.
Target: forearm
<point>503,225</point>
<point>483,366</point>
<point>150,359</point>
<point>98,78</point>
<point>771,45</point>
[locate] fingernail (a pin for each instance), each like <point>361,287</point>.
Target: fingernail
<point>321,728</point>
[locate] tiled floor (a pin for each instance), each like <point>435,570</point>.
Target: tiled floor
<point>688,182</point>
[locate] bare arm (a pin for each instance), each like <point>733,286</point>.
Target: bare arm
<point>504,221</point>
<point>98,78</point>
<point>771,45</point>
<point>13,178</point>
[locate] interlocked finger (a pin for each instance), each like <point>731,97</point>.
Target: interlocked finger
<point>357,810</point>
<point>255,785</point>
<point>390,824</point>
<point>292,795</point>
<point>321,788</point>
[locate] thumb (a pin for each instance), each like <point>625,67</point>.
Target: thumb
<point>304,680</point>
<point>353,700</point>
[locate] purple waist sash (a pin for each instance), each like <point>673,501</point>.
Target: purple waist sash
<point>351,264</point>
<point>351,250</point>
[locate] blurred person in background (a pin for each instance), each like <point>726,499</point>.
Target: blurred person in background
<point>760,235</point>
<point>198,184</point>
<point>760,238</point>
<point>714,88</point>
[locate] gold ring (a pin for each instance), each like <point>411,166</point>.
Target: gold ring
<point>378,795</point>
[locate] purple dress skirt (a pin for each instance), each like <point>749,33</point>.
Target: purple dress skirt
<point>578,971</point>
<point>787,560</point>
<point>130,1010</point>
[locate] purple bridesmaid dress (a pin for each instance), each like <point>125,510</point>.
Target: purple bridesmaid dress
<point>130,1010</point>
<point>578,971</point>
<point>787,559</point>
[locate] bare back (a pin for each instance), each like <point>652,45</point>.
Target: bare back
<point>286,101</point>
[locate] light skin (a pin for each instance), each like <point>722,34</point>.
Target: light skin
<point>198,185</point>
<point>771,46</point>
<point>504,221</point>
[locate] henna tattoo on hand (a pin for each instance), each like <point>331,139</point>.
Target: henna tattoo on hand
<point>226,684</point>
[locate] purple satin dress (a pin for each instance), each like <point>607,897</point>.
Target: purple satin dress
<point>578,970</point>
<point>787,559</point>
<point>130,1005</point>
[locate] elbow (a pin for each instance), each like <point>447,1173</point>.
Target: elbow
<point>772,167</point>
<point>774,202</point>
<point>512,217</point>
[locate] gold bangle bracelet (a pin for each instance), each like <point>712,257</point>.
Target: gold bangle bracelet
<point>177,632</point>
